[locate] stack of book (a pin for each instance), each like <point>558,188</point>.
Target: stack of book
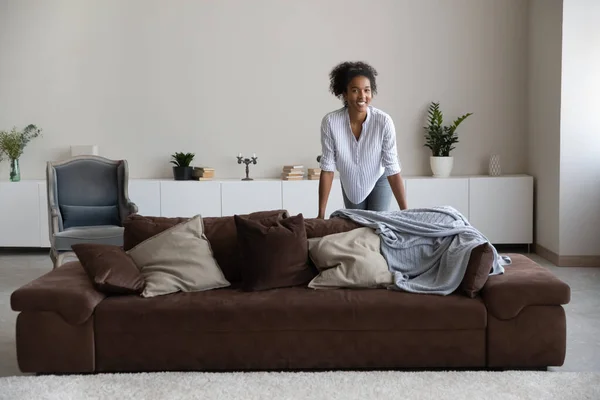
<point>314,174</point>
<point>204,173</point>
<point>292,172</point>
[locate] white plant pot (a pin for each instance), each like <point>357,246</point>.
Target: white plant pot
<point>441,166</point>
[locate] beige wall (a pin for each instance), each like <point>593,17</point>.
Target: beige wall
<point>580,130</point>
<point>143,79</point>
<point>564,135</point>
<point>544,102</point>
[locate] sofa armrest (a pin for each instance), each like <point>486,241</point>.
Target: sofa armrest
<point>524,283</point>
<point>66,290</point>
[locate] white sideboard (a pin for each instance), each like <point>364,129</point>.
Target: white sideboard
<point>500,207</point>
<point>426,192</point>
<point>20,219</point>
<point>179,198</point>
<point>496,212</point>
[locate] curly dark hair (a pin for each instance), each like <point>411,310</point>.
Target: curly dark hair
<point>343,73</point>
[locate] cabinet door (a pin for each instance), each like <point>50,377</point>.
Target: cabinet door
<point>431,192</point>
<point>394,203</point>
<point>19,214</point>
<point>245,197</point>
<point>502,208</point>
<point>303,197</point>
<point>145,193</point>
<point>300,197</point>
<point>189,198</point>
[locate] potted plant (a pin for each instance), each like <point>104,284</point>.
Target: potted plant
<point>441,139</point>
<point>182,171</point>
<point>12,144</point>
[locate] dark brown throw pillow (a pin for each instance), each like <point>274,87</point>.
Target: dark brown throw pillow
<point>138,228</point>
<point>220,232</point>
<point>275,255</point>
<point>111,269</point>
<point>478,270</point>
<point>316,227</point>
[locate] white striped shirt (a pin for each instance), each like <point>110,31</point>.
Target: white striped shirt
<point>360,162</point>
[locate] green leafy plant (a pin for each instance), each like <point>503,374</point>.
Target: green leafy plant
<point>441,138</point>
<point>182,159</point>
<point>13,143</point>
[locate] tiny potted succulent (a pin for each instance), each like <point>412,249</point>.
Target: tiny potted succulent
<point>441,139</point>
<point>183,171</point>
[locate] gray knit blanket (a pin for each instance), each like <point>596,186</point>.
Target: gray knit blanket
<point>427,249</point>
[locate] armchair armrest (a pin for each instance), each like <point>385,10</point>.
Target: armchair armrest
<point>55,221</point>
<point>524,283</point>
<point>132,208</point>
<point>54,212</point>
<point>66,290</point>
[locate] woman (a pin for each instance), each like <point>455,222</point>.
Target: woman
<point>360,142</point>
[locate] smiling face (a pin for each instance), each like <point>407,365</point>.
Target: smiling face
<point>358,94</point>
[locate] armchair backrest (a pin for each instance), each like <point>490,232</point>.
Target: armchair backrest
<point>87,191</point>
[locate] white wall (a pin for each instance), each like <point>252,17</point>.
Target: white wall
<point>143,79</point>
<point>580,129</point>
<point>545,21</point>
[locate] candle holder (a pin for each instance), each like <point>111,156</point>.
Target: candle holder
<point>247,161</point>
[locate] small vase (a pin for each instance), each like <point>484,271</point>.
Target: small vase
<point>495,169</point>
<point>15,173</point>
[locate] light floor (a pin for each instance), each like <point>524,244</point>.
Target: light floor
<point>583,312</point>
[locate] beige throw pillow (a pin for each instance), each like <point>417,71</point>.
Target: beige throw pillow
<point>178,259</point>
<point>349,260</point>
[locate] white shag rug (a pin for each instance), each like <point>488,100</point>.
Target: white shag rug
<point>510,385</point>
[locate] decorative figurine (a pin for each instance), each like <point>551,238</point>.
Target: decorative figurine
<point>247,161</point>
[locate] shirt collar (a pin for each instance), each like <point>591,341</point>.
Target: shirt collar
<point>368,114</point>
<point>369,111</point>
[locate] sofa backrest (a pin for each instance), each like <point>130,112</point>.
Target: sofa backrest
<point>221,232</point>
<point>316,228</point>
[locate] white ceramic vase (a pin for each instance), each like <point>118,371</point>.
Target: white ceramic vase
<point>441,166</point>
<point>495,169</point>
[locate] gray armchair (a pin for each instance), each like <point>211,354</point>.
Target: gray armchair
<point>87,203</point>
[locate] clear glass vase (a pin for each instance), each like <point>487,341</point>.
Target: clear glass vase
<point>15,172</point>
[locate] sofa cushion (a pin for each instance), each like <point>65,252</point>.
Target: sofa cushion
<point>290,309</point>
<point>275,254</point>
<point>316,227</point>
<point>220,231</point>
<point>178,259</point>
<point>111,269</point>
<point>478,270</point>
<point>349,259</point>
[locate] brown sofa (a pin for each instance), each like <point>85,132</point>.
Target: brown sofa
<point>66,325</point>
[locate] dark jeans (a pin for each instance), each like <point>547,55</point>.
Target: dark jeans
<point>378,200</point>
